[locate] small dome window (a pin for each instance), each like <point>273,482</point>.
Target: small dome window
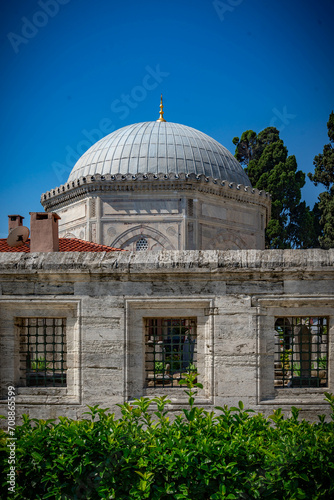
<point>141,245</point>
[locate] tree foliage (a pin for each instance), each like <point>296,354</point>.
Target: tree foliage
<point>269,168</point>
<point>324,174</point>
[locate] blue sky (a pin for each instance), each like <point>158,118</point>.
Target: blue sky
<point>75,70</point>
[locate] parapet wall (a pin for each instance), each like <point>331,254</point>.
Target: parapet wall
<point>192,261</point>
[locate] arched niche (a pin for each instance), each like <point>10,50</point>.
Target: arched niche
<point>155,239</point>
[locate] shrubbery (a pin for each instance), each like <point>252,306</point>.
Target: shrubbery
<point>200,455</point>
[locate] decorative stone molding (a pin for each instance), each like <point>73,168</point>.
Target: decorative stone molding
<point>62,195</point>
<point>171,231</point>
<point>223,239</point>
<point>146,232</point>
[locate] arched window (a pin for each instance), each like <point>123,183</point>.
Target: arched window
<point>141,244</point>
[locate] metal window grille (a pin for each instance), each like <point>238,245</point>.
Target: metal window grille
<point>93,208</point>
<point>171,350</point>
<point>42,352</point>
<point>141,244</point>
<point>190,208</point>
<point>301,352</point>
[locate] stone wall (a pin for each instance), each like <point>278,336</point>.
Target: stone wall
<point>173,213</point>
<point>234,296</point>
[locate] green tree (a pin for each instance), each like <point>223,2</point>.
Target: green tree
<point>324,174</point>
<point>269,168</point>
<point>251,145</point>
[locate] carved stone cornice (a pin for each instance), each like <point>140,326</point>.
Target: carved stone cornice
<point>99,184</point>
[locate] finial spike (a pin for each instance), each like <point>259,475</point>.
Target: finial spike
<point>161,112</point>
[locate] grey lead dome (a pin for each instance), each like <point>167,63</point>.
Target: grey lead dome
<point>159,148</point>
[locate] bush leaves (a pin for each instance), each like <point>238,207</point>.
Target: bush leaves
<point>199,455</point>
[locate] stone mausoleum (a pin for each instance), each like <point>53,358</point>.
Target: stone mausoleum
<point>152,264</point>
<point>160,185</point>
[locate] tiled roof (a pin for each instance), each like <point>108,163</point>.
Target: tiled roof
<point>76,245</point>
<point>65,245</point>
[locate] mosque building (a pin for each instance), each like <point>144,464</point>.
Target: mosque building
<point>149,263</point>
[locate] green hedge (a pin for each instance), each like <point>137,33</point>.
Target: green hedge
<point>229,454</point>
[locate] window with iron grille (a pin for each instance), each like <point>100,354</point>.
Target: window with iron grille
<point>42,352</point>
<point>301,351</point>
<point>141,244</point>
<point>191,208</point>
<point>170,350</point>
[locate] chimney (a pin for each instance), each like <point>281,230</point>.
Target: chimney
<point>44,232</point>
<point>14,221</point>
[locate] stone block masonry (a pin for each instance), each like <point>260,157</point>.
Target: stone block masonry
<point>233,297</point>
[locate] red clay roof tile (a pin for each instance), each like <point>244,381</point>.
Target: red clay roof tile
<point>65,245</point>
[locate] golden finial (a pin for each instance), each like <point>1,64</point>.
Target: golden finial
<point>161,112</point>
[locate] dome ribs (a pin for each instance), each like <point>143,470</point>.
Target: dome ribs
<point>159,147</point>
